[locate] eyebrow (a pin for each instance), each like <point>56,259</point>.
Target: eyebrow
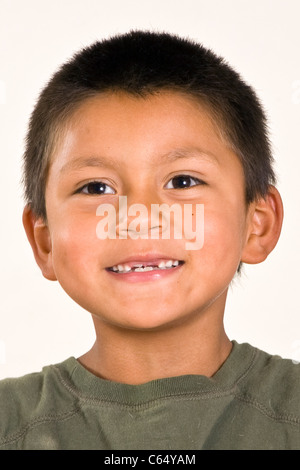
<point>84,162</point>
<point>176,154</point>
<point>191,152</point>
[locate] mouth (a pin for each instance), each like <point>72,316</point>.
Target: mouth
<point>142,266</point>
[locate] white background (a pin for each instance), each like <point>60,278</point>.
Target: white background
<point>39,323</point>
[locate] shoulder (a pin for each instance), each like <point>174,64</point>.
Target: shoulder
<point>29,400</point>
<point>272,385</point>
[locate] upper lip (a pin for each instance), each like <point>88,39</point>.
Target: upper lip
<point>145,259</point>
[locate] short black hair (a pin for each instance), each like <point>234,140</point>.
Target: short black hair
<point>142,63</point>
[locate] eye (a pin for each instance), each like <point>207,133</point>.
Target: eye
<point>183,182</point>
<point>96,187</point>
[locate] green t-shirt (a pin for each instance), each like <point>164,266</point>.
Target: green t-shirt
<point>252,402</point>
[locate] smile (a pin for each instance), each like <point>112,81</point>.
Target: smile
<point>140,267</point>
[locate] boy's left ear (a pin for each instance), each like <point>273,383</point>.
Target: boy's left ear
<point>264,227</point>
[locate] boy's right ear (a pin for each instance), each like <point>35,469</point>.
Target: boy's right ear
<point>38,235</point>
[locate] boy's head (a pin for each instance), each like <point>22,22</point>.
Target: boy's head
<point>162,121</point>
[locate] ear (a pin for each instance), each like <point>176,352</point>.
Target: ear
<point>265,222</point>
<point>38,235</point>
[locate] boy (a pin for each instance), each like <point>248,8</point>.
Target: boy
<point>136,137</point>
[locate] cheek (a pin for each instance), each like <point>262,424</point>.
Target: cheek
<point>74,250</point>
<point>222,240</point>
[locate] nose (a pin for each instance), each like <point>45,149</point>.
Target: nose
<point>136,219</point>
<point>151,218</point>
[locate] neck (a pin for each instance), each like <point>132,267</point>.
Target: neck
<point>199,346</point>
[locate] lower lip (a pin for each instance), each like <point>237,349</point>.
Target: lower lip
<point>145,276</point>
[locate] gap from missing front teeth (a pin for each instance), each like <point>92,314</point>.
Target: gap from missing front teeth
<point>139,267</point>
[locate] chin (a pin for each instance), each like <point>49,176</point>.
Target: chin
<point>150,321</point>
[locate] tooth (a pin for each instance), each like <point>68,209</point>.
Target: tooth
<point>146,268</point>
<point>162,265</point>
<point>127,268</point>
<point>169,264</point>
<point>175,263</point>
<point>115,268</point>
<point>138,266</point>
<point>120,267</point>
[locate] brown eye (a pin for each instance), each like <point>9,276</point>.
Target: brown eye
<point>183,182</point>
<point>97,187</point>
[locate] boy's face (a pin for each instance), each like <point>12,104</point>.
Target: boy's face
<point>154,150</point>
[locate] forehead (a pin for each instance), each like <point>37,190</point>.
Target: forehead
<point>120,128</point>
